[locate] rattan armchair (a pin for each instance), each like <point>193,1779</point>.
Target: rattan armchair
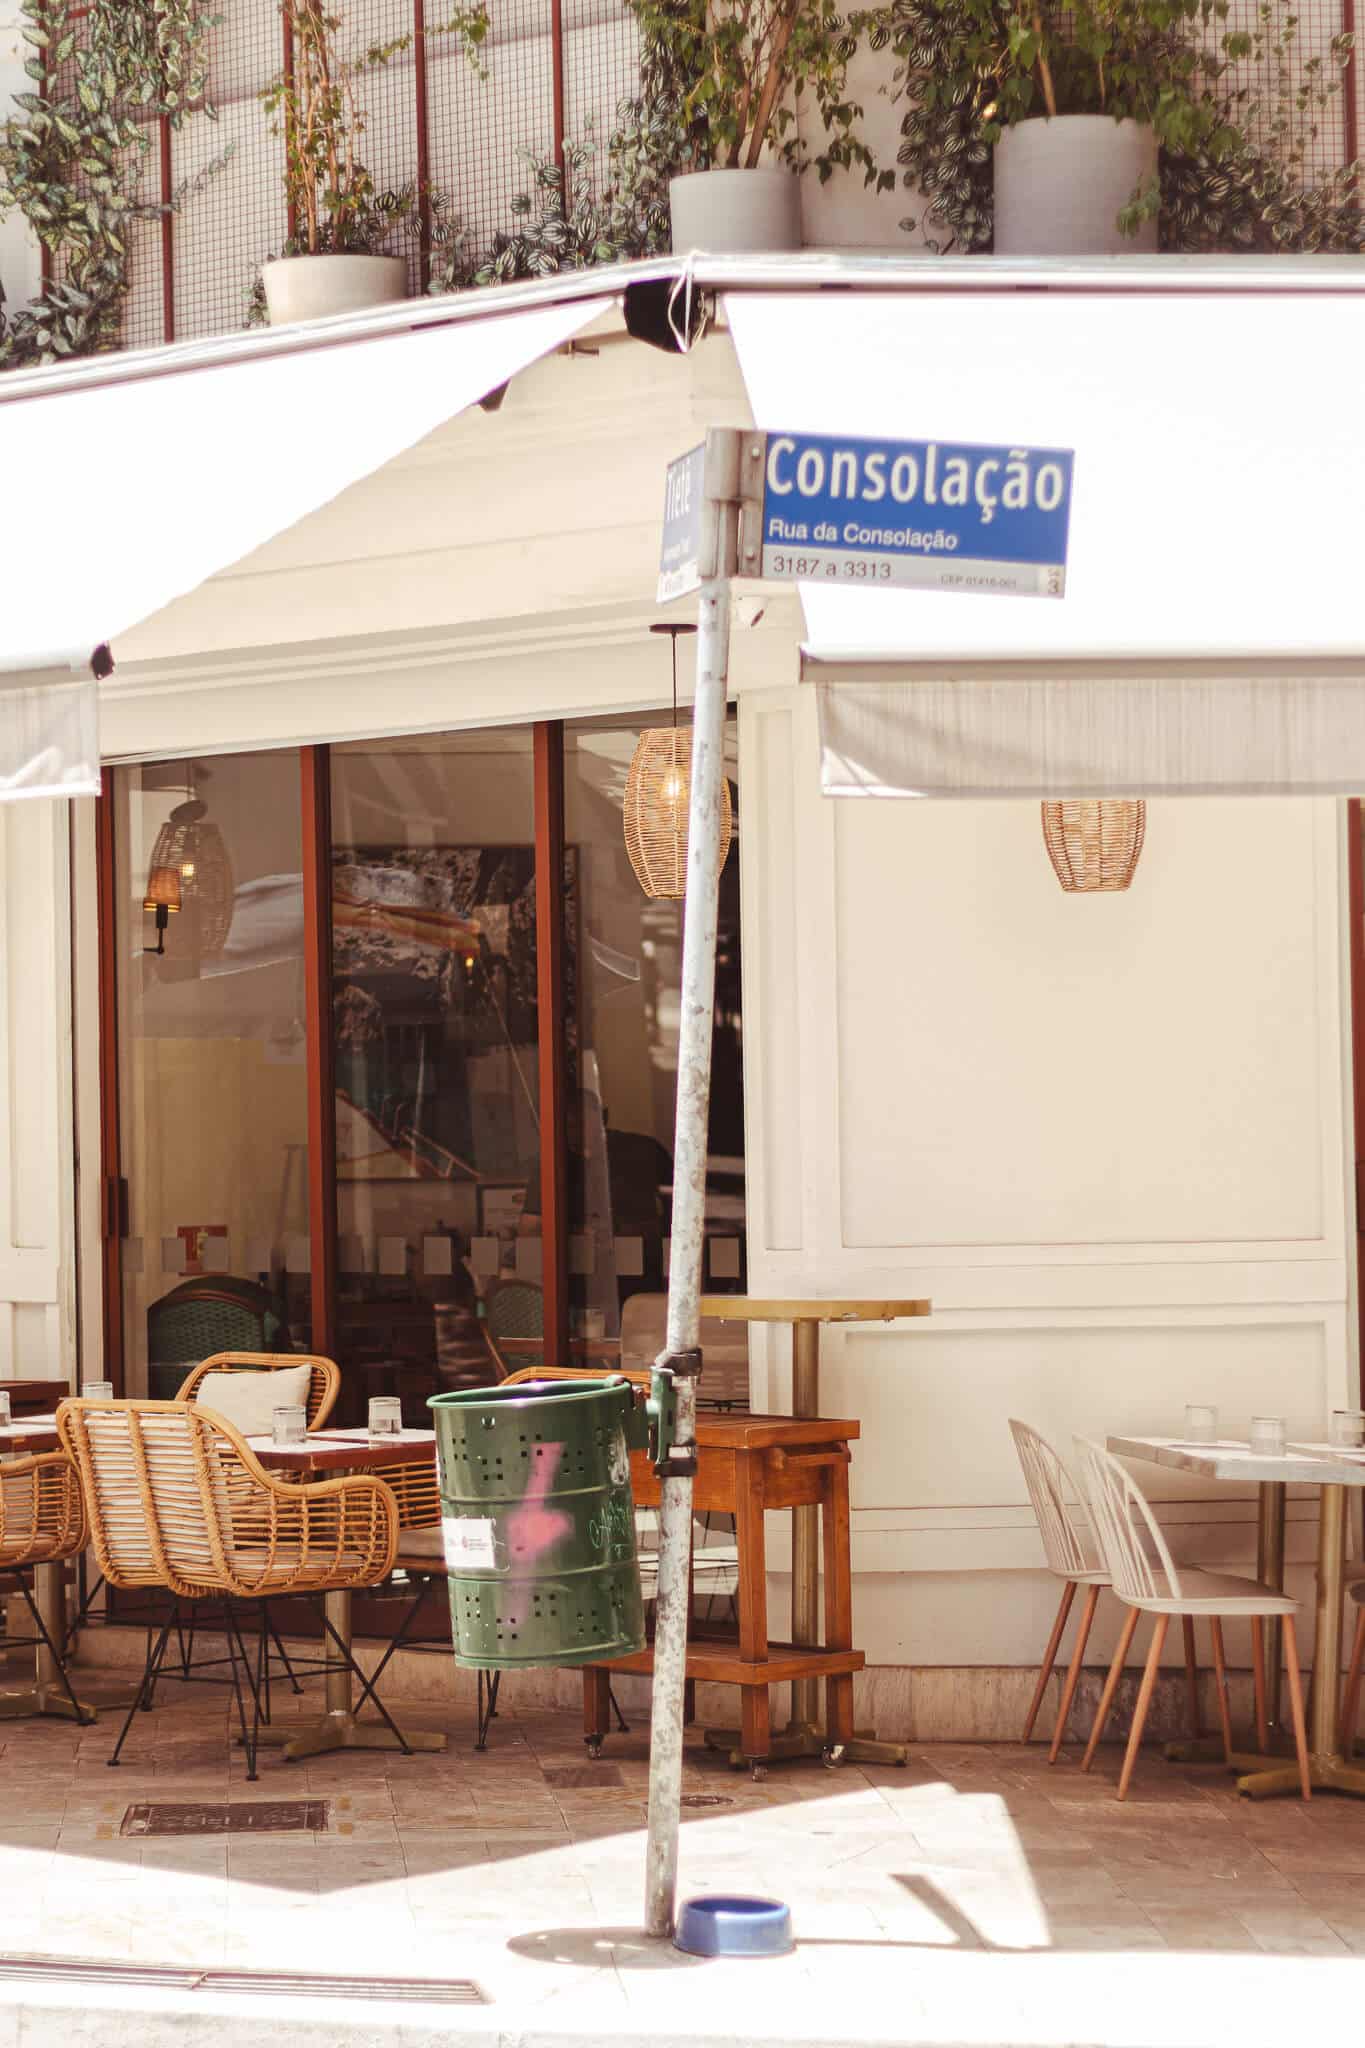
<point>175,1499</point>
<point>42,1522</point>
<point>324,1383</point>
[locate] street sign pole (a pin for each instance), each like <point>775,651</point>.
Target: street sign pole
<point>716,539</point>
<point>816,509</point>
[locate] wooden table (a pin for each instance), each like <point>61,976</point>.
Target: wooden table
<point>28,1397</point>
<point>328,1453</point>
<point>1331,1471</point>
<point>747,1465</point>
<point>803,1735</point>
<point>47,1695</point>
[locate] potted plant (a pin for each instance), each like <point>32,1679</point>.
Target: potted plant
<point>741,71</point>
<point>1072,101</point>
<point>336,259</point>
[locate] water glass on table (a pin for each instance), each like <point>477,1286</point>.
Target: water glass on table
<point>1346,1429</point>
<point>1201,1425</point>
<point>97,1390</point>
<point>1267,1436</point>
<point>385,1417</point>
<point>289,1425</point>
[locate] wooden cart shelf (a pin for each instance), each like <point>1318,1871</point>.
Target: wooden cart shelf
<point>746,1466</point>
<point>717,1664</point>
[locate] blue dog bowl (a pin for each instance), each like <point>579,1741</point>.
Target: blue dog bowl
<point>734,1927</point>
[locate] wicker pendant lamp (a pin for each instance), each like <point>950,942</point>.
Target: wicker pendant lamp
<point>1094,842</point>
<point>658,790</point>
<point>192,846</point>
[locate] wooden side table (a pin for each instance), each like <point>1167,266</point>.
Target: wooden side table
<point>746,1466</point>
<point>803,1735</point>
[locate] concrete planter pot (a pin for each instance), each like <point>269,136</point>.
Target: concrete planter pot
<point>732,212</point>
<point>1059,186</point>
<point>312,287</point>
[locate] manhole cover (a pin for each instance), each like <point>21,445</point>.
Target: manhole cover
<point>705,1799</point>
<point>260,1817</point>
<point>579,1777</point>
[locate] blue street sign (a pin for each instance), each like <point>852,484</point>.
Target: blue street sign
<point>934,515</point>
<point>680,557</point>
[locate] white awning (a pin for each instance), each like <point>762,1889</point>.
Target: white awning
<point>125,494</point>
<point>1213,632</point>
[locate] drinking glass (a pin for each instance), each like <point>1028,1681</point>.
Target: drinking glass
<point>5,1417</point>
<point>386,1416</point>
<point>289,1425</point>
<point>1267,1435</point>
<point>97,1390</point>
<point>1346,1429</point>
<point>1201,1425</point>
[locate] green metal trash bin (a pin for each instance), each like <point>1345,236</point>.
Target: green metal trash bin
<point>539,1522</point>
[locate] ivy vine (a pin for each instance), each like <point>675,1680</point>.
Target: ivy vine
<point>72,156</point>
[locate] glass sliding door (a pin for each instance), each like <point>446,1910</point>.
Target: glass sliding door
<point>212,1076</point>
<point>622,1032</point>
<point>435,1022</point>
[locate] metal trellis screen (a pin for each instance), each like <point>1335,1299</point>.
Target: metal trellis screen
<point>556,71</point>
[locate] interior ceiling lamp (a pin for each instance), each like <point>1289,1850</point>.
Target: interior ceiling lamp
<point>658,789</point>
<point>163,896</point>
<point>1094,842</point>
<point>190,844</point>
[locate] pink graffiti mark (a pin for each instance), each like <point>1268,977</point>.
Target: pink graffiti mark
<point>533,1528</point>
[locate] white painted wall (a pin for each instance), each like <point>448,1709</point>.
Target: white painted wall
<point>1103,1134</point>
<point>37,1265</point>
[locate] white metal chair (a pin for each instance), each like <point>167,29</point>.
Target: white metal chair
<point>1125,1528</point>
<point>1067,1559</point>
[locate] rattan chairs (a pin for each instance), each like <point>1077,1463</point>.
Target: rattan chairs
<point>1146,1579</point>
<point>176,1500</point>
<point>42,1521</point>
<point>324,1382</point>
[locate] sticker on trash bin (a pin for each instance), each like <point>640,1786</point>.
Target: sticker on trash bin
<point>468,1544</point>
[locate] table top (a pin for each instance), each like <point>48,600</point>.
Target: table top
<point>343,1450</point>
<point>752,1308</point>
<point>29,1435</point>
<point>1228,1459</point>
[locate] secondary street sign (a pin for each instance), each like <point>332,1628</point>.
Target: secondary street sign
<point>680,557</point>
<point>933,515</point>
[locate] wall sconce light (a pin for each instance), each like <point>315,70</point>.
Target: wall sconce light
<point>163,896</point>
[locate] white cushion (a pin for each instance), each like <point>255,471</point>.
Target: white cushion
<point>248,1400</point>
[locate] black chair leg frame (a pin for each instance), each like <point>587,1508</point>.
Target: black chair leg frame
<point>366,1685</point>
<point>42,1635</point>
<point>257,1681</point>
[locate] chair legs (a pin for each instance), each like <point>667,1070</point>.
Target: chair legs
<point>1258,1676</point>
<point>1296,1714</point>
<point>1049,1656</point>
<point>58,1656</point>
<point>1144,1701</point>
<point>1192,1676</point>
<point>1111,1686</point>
<point>1350,1706</point>
<point>1074,1672</point>
<point>366,1685</point>
<point>1220,1676</point>
<point>143,1696</point>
